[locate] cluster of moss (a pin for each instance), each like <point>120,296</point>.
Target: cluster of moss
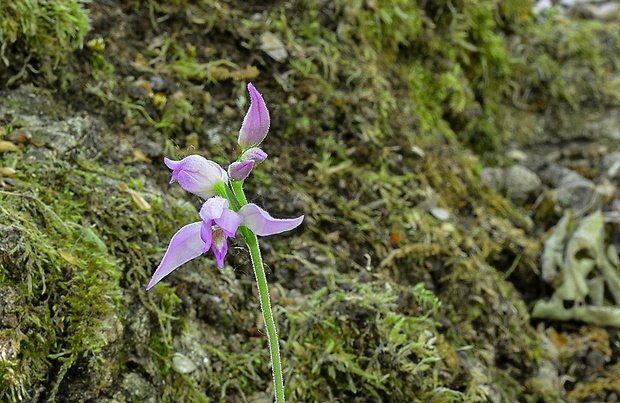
<point>374,340</point>
<point>39,38</point>
<point>71,235</point>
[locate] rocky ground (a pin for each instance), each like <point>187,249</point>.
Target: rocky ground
<point>457,162</point>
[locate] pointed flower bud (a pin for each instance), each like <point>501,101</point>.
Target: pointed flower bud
<point>256,122</point>
<point>254,154</point>
<point>197,175</point>
<point>240,170</point>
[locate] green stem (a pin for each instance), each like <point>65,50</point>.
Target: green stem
<point>237,187</point>
<point>263,295</point>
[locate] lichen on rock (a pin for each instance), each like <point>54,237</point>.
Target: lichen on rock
<point>582,267</point>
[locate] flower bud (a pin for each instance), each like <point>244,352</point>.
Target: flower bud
<point>240,170</point>
<point>254,154</point>
<point>256,122</point>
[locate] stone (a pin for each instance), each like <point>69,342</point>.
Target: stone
<point>520,183</point>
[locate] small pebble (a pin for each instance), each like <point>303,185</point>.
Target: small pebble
<point>440,213</point>
<point>520,183</point>
<point>516,155</point>
<point>273,46</point>
<point>182,364</point>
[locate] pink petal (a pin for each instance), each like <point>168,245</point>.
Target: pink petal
<point>229,222</point>
<point>184,246</point>
<point>213,208</point>
<point>261,223</point>
<point>240,170</point>
<point>219,247</point>
<point>197,174</point>
<point>206,234</point>
<point>254,154</point>
<point>256,122</point>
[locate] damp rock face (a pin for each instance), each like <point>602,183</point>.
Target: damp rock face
<point>376,299</point>
<point>65,222</point>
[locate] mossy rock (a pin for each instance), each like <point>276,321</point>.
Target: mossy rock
<point>37,38</point>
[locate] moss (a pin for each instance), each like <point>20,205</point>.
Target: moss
<point>567,71</point>
<point>65,224</point>
<point>371,340</point>
<point>35,38</point>
<point>68,286</point>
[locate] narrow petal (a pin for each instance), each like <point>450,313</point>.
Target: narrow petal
<point>184,246</point>
<point>206,234</point>
<point>219,247</point>
<point>172,165</point>
<point>240,170</point>
<point>261,223</point>
<point>256,122</point>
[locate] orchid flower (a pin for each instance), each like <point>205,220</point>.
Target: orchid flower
<point>197,175</point>
<point>218,223</point>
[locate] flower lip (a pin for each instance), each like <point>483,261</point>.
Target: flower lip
<point>219,246</point>
<point>256,121</point>
<point>197,175</point>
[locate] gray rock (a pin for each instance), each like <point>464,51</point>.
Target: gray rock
<point>520,183</point>
<point>611,164</point>
<point>493,177</point>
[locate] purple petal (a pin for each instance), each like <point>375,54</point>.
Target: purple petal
<point>254,154</point>
<point>206,234</point>
<point>219,247</point>
<point>213,208</point>
<point>256,122</point>
<point>229,222</point>
<point>197,174</point>
<point>240,170</point>
<point>184,246</point>
<point>261,223</point>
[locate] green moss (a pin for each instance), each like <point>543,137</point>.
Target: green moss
<point>71,235</point>
<point>35,39</point>
<point>349,341</point>
<point>67,283</point>
<point>567,70</point>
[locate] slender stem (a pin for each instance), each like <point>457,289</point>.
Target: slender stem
<point>237,187</point>
<point>263,295</point>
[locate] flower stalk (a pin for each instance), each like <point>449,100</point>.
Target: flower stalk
<point>265,301</point>
<point>265,304</point>
<point>226,213</point>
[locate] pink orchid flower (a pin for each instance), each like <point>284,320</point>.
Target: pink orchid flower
<point>197,175</point>
<point>218,223</point>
